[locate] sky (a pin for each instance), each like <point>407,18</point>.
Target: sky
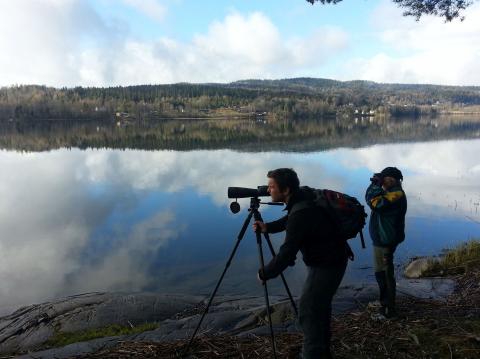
<point>128,42</point>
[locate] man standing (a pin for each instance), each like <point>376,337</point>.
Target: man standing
<point>309,230</point>
<point>388,203</point>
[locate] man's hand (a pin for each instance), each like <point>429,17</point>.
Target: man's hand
<point>259,226</point>
<point>260,279</point>
<point>376,179</point>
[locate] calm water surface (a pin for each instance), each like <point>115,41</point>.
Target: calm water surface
<point>76,221</point>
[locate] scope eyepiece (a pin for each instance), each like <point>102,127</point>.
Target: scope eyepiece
<point>242,192</point>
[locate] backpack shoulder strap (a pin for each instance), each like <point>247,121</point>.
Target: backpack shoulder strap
<point>318,200</point>
<point>302,205</point>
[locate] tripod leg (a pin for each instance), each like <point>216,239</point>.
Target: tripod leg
<point>292,301</point>
<point>239,238</point>
<point>267,302</point>
<point>258,217</point>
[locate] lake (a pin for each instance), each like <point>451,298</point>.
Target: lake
<point>114,207</point>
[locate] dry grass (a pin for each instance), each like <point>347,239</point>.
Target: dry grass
<point>425,329</point>
<point>461,259</point>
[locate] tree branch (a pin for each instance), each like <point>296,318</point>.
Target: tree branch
<point>447,9</point>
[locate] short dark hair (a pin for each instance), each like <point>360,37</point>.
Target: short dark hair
<point>285,178</point>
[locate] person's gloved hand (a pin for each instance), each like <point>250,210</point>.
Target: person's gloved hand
<point>260,277</point>
<point>259,226</point>
<point>376,179</point>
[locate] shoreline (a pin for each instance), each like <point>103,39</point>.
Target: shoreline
<point>97,325</point>
<point>175,317</point>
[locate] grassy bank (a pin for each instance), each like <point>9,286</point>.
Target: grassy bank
<point>459,260</point>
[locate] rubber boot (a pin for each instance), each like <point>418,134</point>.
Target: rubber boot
<point>381,278</point>
<point>391,288</point>
<point>390,298</point>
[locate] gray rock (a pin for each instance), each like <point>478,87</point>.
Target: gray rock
<point>236,315</point>
<point>30,327</point>
<point>427,288</point>
<point>226,316</point>
<point>74,349</point>
<point>417,267</point>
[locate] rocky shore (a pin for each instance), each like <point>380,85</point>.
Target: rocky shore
<point>439,318</point>
<point>34,331</point>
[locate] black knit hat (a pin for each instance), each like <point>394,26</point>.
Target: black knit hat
<point>392,172</point>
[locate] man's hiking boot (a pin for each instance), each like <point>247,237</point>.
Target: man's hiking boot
<point>381,278</point>
<point>384,313</point>
<point>324,355</point>
<point>390,313</point>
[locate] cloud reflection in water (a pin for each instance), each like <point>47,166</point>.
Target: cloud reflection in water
<point>76,221</point>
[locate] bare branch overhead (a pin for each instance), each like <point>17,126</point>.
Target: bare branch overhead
<point>447,9</point>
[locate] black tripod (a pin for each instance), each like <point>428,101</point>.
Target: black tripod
<point>253,212</point>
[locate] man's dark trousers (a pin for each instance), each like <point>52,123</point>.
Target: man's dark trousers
<point>315,309</point>
<point>385,276</point>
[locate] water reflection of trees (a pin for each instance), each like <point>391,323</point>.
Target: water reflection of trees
<point>246,135</point>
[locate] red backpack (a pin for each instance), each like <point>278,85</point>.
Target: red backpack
<point>346,212</point>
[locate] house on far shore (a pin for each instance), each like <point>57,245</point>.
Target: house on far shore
<point>122,115</point>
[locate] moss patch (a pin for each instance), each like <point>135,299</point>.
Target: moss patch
<point>61,339</point>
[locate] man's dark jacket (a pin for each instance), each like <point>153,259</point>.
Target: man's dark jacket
<point>309,230</point>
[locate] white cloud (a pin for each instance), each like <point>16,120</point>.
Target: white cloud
<point>327,39</point>
<point>125,268</point>
<point>174,171</point>
<point>151,8</point>
<point>46,225</point>
<point>440,174</point>
<point>428,51</point>
<point>254,39</point>
<point>43,223</point>
<point>66,43</point>
<point>40,40</point>
<point>55,203</point>
<point>238,47</point>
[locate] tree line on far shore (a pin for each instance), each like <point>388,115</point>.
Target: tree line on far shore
<point>278,99</point>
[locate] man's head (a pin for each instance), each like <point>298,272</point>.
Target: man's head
<point>282,182</point>
<point>391,176</point>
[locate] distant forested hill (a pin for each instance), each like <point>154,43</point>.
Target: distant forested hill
<point>288,98</point>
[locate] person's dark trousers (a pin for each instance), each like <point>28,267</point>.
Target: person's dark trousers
<point>391,282</point>
<point>315,309</point>
<point>381,278</point>
<point>385,276</point>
